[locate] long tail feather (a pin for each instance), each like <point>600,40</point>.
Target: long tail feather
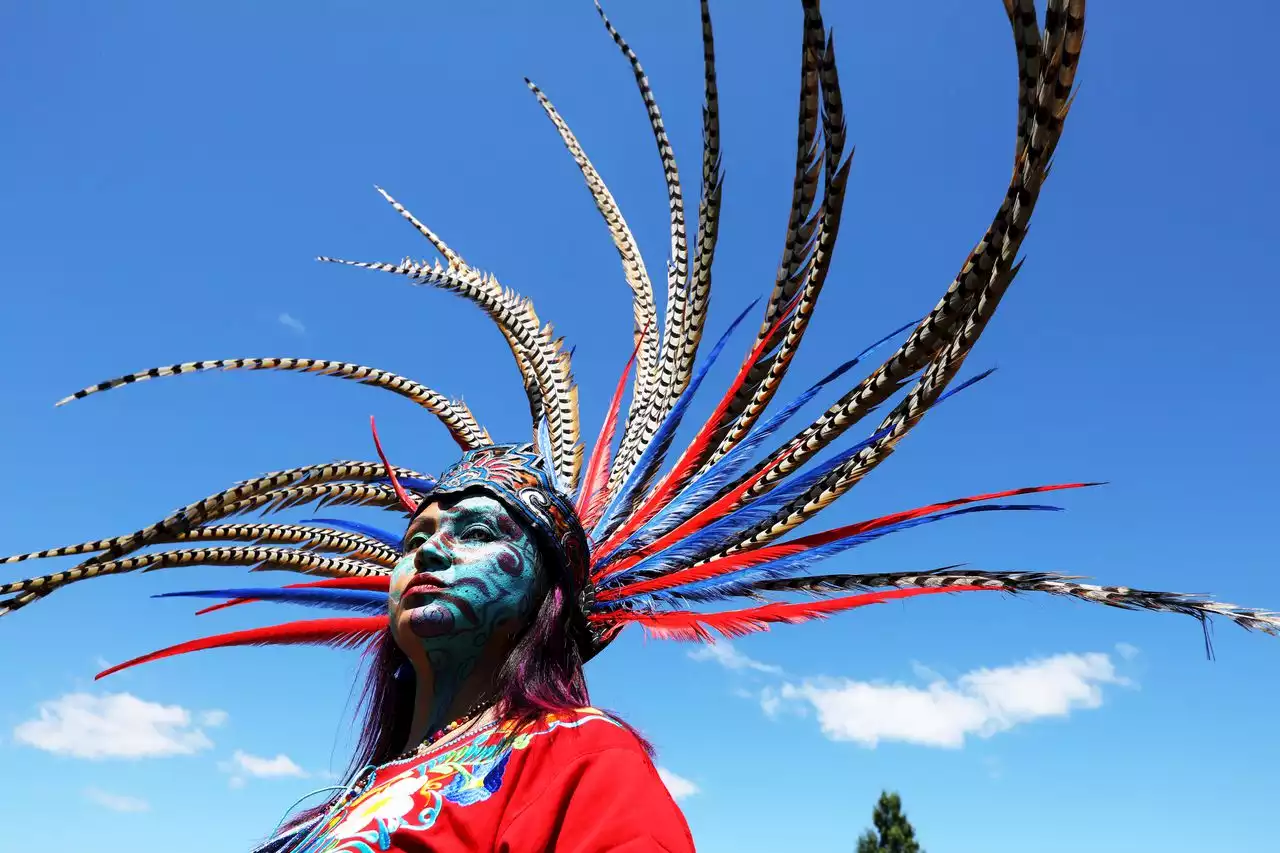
<point>653,454</point>
<point>374,583</point>
<point>361,601</point>
<point>688,625</point>
<point>725,575</point>
<point>385,537</point>
<point>706,485</point>
<point>455,416</point>
<point>689,458</point>
<point>409,504</point>
<point>1123,597</point>
<point>594,495</point>
<point>346,632</point>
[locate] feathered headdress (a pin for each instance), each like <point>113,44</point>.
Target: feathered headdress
<point>656,532</point>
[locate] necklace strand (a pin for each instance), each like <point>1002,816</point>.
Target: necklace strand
<point>437,737</point>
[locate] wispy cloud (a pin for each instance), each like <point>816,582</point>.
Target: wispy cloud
<point>116,802</point>
<point>292,323</point>
<point>944,713</point>
<point>724,653</point>
<point>678,786</point>
<point>213,719</point>
<point>115,725</point>
<point>243,766</point>
<point>1127,650</point>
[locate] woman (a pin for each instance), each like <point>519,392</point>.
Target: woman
<point>520,563</point>
<point>478,735</point>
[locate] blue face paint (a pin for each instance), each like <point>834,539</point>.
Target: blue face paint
<point>469,571</point>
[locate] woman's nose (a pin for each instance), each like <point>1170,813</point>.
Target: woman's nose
<point>431,556</point>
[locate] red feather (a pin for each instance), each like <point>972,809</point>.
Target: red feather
<point>747,559</point>
<point>696,452</point>
<point>343,633</point>
<point>594,496</point>
<point>374,583</point>
<point>687,625</point>
<point>405,501</point>
<point>722,506</point>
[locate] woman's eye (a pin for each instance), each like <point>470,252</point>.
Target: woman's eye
<point>415,540</point>
<point>478,533</point>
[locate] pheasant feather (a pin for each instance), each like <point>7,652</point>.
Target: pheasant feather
<point>657,448</point>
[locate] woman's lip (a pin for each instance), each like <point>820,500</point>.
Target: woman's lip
<point>422,585</point>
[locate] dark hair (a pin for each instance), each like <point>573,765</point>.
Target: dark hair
<point>542,674</point>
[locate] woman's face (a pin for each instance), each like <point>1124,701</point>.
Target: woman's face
<point>469,573</point>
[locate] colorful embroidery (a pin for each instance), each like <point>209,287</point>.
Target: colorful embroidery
<point>414,798</point>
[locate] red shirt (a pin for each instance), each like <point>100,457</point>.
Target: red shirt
<point>577,783</point>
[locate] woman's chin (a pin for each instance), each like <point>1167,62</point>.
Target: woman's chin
<point>432,620</point>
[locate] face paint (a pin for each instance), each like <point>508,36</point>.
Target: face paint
<point>467,569</point>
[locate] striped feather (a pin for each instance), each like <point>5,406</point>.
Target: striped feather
<point>257,557</point>
<point>812,273</point>
<point>687,461</point>
<point>760,556</point>
<point>707,485</point>
<point>928,393</point>
<point>454,414</point>
<point>990,266</point>
<point>711,581</point>
<point>1123,597</point>
<point>654,406</point>
<point>655,451</point>
<point>682,547</point>
<point>800,222</point>
<point>721,523</point>
<point>386,537</point>
<point>269,488</point>
<point>687,326</point>
<point>637,277</point>
<point>532,341</point>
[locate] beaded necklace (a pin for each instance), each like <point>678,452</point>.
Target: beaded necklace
<point>438,737</point>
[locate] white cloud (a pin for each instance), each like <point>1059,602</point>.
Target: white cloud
<point>723,653</point>
<point>679,786</point>
<point>116,802</point>
<point>213,719</point>
<point>942,714</point>
<point>243,765</point>
<point>291,322</point>
<point>114,725</point>
<point>1127,650</point>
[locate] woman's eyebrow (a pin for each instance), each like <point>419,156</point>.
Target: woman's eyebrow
<point>472,513</point>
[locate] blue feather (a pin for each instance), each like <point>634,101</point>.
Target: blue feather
<point>705,487</point>
<point>735,583</point>
<point>653,454</point>
<point>360,600</point>
<point>389,539</point>
<point>415,484</point>
<point>724,531</point>
<point>548,460</point>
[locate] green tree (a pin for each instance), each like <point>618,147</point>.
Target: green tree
<point>893,832</point>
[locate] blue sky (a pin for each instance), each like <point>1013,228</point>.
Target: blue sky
<point>174,168</point>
